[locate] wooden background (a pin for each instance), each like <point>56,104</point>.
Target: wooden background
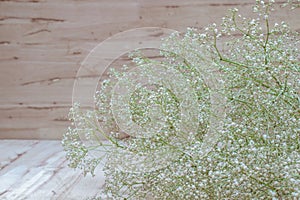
<point>43,42</point>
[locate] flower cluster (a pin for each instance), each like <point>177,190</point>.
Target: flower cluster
<point>237,82</point>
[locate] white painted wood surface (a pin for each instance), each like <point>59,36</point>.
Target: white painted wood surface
<point>37,170</point>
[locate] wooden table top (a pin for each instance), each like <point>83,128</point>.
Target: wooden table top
<point>38,170</point>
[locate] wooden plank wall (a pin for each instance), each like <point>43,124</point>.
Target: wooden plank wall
<point>42,43</point>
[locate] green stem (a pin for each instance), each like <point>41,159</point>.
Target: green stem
<point>266,41</point>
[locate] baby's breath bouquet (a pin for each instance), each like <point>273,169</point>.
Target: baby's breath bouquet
<point>216,116</point>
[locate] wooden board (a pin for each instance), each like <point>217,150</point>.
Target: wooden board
<point>37,170</point>
<point>43,42</point>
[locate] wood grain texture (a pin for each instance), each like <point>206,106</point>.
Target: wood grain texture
<point>36,170</point>
<point>43,42</point>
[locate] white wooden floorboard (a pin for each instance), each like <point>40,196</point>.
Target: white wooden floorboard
<point>37,170</point>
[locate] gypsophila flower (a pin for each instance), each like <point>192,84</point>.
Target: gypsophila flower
<point>257,153</point>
